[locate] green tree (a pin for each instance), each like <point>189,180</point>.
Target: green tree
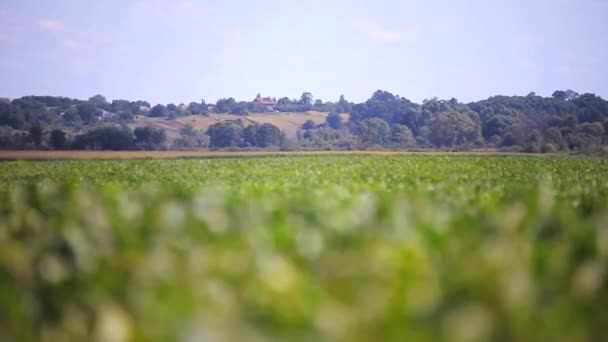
<point>334,120</point>
<point>71,116</point>
<point>374,131</point>
<point>100,102</point>
<point>88,112</point>
<point>36,134</point>
<point>452,128</point>
<point>225,105</point>
<point>535,142</point>
<point>309,124</point>
<point>402,136</point>
<point>306,98</point>
<point>58,139</point>
<point>195,108</point>
<point>149,138</point>
<point>105,138</point>
<point>240,108</point>
<point>344,106</point>
<point>269,135</point>
<point>250,135</point>
<point>225,134</point>
<point>11,115</point>
<point>159,111</point>
<point>121,105</point>
<point>554,136</point>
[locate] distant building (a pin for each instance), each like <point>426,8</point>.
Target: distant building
<point>269,102</point>
<point>105,115</point>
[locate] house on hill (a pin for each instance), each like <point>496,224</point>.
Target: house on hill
<point>268,102</point>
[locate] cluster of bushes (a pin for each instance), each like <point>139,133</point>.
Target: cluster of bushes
<point>113,137</point>
<point>104,137</point>
<point>24,112</point>
<point>233,133</point>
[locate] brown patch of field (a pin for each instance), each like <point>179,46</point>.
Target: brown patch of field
<point>171,127</point>
<point>289,123</point>
<point>203,122</point>
<point>59,155</point>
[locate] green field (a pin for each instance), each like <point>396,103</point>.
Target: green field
<point>305,248</point>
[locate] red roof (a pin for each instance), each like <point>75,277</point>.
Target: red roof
<point>265,100</point>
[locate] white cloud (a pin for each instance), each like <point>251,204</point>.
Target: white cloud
<point>51,25</point>
<point>378,33</point>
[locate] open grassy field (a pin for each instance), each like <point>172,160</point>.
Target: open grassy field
<point>369,247</point>
<point>289,123</point>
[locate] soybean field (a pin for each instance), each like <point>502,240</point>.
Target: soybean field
<point>305,248</point>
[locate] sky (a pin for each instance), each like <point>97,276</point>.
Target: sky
<point>178,51</point>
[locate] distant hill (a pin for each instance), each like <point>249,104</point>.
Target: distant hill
<point>289,123</point>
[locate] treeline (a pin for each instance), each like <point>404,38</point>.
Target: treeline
<point>21,113</point>
<point>567,121</point>
<point>229,133</point>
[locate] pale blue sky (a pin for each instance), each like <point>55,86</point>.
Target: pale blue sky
<point>184,50</point>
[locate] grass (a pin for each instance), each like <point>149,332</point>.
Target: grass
<point>382,246</point>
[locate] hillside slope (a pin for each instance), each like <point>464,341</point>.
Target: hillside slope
<point>289,123</point>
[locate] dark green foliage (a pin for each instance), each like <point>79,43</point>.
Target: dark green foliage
<point>334,120</point>
<point>58,140</point>
<point>12,139</point>
<point>149,138</point>
<point>535,141</point>
<point>343,106</point>
<point>269,135</point>
<point>11,115</point>
<point>554,136</point>
<point>174,111</point>
<point>121,106</point>
<point>402,136</point>
<point>374,131</point>
<point>159,111</point>
<point>36,134</point>
<point>88,112</point>
<point>225,134</point>
<point>264,135</point>
<point>250,135</point>
<point>100,102</point>
<point>71,116</point>
<point>225,105</point>
<point>452,128</point>
<point>309,124</point>
<point>306,98</point>
<point>105,138</point>
<point>196,108</point>
<point>240,108</point>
